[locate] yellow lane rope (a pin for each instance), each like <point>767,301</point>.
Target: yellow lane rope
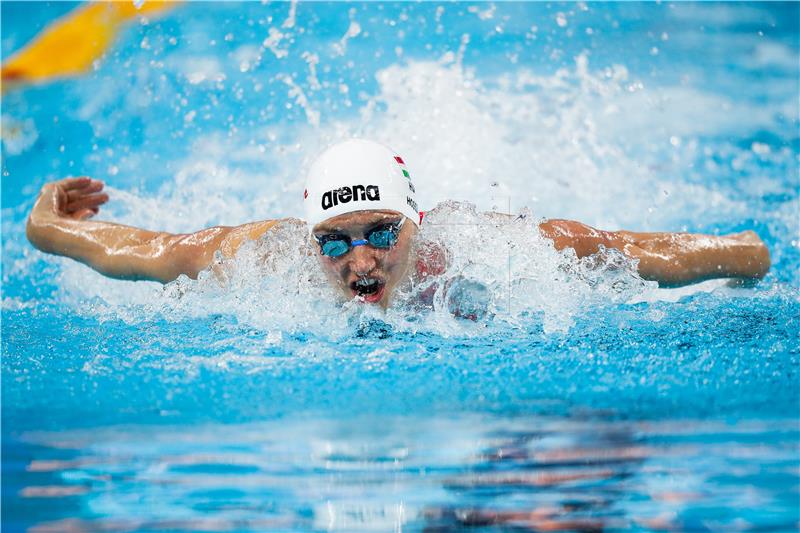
<point>70,45</point>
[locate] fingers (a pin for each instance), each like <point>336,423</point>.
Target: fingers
<point>80,194</point>
<point>83,214</point>
<point>93,186</point>
<point>77,183</point>
<point>90,201</point>
<point>77,198</point>
<point>68,184</point>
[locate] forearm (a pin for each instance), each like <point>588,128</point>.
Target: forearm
<point>672,259</point>
<point>123,252</point>
<point>675,259</point>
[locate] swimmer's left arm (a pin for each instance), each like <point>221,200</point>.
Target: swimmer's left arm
<point>671,259</point>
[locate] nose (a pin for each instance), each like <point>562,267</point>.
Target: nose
<point>362,260</point>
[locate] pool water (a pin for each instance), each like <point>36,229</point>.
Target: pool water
<point>584,399</point>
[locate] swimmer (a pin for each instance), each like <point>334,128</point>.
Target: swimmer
<point>362,215</point>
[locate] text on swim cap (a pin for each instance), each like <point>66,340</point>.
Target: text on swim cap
<point>347,194</point>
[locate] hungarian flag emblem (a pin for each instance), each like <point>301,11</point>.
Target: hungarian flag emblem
<point>402,166</point>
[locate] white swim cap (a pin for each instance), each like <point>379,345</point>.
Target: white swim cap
<point>358,175</point>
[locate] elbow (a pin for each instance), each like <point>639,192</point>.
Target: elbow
<point>563,234</point>
<point>184,256</point>
<point>31,233</point>
<point>37,234</point>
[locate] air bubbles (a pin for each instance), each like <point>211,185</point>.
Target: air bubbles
<point>561,20</point>
<point>760,148</point>
<point>634,87</point>
<point>486,14</point>
<point>353,30</point>
<point>17,135</point>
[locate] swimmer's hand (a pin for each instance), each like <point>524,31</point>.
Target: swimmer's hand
<point>75,198</point>
<point>70,199</point>
<point>60,224</point>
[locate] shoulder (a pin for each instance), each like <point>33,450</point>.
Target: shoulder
<point>431,260</point>
<point>556,227</point>
<point>564,233</point>
<point>238,235</point>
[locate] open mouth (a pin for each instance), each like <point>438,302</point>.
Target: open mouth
<point>370,289</point>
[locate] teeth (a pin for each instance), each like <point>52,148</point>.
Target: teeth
<point>366,286</point>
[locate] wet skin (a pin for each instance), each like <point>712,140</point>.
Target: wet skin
<point>389,267</point>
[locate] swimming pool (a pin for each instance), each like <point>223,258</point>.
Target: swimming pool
<point>587,399</point>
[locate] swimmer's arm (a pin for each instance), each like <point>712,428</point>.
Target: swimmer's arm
<point>671,259</point>
<point>58,224</point>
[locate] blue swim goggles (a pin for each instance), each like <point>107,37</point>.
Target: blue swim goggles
<point>382,236</point>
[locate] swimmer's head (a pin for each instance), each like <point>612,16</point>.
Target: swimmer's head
<point>361,209</point>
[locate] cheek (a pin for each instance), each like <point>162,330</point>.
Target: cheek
<point>395,260</point>
<point>331,268</point>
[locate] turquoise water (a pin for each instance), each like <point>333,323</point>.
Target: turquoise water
<point>587,399</point>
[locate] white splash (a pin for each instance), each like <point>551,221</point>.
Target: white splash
<point>274,38</point>
<point>312,60</point>
<point>202,69</point>
<point>353,30</point>
<point>296,92</point>
<point>290,20</point>
<point>17,135</point>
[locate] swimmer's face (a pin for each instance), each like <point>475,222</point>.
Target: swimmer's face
<point>365,272</point>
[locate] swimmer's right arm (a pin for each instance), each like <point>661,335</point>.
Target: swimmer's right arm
<point>59,224</point>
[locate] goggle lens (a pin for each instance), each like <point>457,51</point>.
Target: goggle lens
<point>335,247</point>
<point>383,238</point>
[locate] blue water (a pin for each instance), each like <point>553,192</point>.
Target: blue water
<point>587,400</point>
